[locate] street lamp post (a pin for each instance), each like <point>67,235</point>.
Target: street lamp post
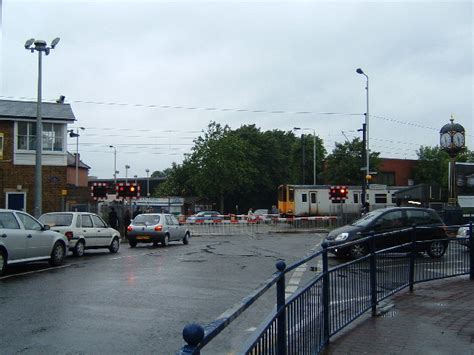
<point>76,135</point>
<point>314,150</point>
<point>367,150</point>
<point>115,164</point>
<point>126,173</point>
<point>40,46</point>
<point>147,182</point>
<point>136,179</point>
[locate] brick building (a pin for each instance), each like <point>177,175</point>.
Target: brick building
<point>18,154</point>
<point>395,172</point>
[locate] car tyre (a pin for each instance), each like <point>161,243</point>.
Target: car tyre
<point>3,262</point>
<point>133,243</point>
<point>186,239</point>
<point>436,249</point>
<point>357,251</point>
<point>79,249</point>
<point>114,246</point>
<point>58,254</point>
<point>165,241</point>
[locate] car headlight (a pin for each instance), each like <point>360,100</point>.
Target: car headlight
<point>462,232</point>
<point>342,236</point>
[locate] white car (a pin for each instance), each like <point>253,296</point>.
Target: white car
<point>24,239</point>
<point>84,230</point>
<point>463,234</point>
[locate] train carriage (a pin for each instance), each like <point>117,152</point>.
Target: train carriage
<point>314,200</point>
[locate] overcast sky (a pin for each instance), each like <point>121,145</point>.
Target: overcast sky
<point>122,65</point>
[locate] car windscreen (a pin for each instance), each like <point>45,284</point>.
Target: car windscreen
<point>56,220</point>
<point>143,219</point>
<point>366,219</point>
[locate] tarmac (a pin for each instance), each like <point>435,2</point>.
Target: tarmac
<point>436,319</point>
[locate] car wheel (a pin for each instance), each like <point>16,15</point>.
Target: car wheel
<point>186,239</point>
<point>115,246</point>
<point>166,240</point>
<point>58,254</point>
<point>436,249</point>
<point>357,251</point>
<point>133,243</point>
<point>79,249</point>
<point>3,262</point>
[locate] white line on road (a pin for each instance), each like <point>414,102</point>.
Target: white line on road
<point>295,278</point>
<point>35,272</point>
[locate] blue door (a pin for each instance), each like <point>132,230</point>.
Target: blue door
<point>16,201</point>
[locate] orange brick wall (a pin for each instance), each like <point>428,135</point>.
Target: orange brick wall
<point>402,168</point>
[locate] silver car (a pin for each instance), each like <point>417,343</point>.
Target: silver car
<point>84,230</point>
<point>156,228</point>
<point>25,239</point>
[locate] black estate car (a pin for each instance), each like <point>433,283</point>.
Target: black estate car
<point>397,221</point>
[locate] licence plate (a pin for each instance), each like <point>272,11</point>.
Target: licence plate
<point>142,237</point>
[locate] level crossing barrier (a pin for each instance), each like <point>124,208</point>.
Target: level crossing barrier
<point>304,322</point>
<point>245,224</point>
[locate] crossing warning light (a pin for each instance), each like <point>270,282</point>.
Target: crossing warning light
<point>128,190</point>
<point>99,190</point>
<point>338,194</point>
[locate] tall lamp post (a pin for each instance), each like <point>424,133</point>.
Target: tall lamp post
<point>40,46</point>
<point>76,135</point>
<point>367,150</point>
<point>126,173</point>
<point>314,149</point>
<point>115,163</point>
<point>147,182</point>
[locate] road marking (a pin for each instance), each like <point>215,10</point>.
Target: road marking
<point>251,329</point>
<point>132,256</point>
<point>35,272</point>
<point>297,275</point>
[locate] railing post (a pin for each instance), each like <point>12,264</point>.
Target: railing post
<point>471,252</point>
<point>193,334</point>
<point>281,320</point>
<point>373,274</point>
<point>411,275</point>
<point>326,286</point>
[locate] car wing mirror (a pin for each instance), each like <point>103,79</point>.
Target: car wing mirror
<point>46,227</point>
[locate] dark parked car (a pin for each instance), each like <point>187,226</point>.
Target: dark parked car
<point>397,221</point>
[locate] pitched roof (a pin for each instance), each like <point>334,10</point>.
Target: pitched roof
<point>71,161</point>
<point>27,110</point>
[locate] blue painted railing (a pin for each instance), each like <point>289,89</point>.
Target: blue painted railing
<point>304,323</point>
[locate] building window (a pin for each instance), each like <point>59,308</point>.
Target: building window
<point>356,198</point>
<point>52,136</point>
<point>380,198</point>
<point>304,197</point>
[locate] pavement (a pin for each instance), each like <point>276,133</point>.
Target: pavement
<point>436,319</point>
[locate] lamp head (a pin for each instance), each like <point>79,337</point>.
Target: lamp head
<point>54,42</point>
<point>359,71</point>
<point>296,128</point>
<point>40,44</point>
<point>28,43</point>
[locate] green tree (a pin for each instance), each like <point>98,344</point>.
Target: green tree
<point>343,165</point>
<point>433,163</point>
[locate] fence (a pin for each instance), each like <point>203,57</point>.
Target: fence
<point>233,225</point>
<point>304,322</point>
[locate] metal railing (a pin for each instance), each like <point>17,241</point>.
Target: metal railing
<point>275,225</point>
<point>304,322</point>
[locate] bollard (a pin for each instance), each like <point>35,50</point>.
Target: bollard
<point>281,320</point>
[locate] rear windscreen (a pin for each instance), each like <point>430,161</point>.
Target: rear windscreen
<point>56,220</point>
<point>143,219</point>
